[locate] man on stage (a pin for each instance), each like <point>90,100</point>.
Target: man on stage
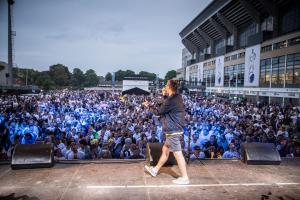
<point>172,115</point>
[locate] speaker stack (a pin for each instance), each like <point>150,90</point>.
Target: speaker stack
<point>260,154</point>
<point>26,156</point>
<point>154,151</point>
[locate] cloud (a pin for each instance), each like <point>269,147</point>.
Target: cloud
<point>103,35</point>
<point>59,36</point>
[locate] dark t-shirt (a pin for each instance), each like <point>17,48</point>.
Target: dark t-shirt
<point>172,114</point>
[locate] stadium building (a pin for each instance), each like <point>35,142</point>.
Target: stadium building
<point>4,74</point>
<point>245,48</point>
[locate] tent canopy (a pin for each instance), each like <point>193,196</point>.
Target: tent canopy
<point>136,91</point>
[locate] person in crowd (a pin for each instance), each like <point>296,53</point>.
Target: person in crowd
<point>74,153</point>
<point>153,138</point>
<point>136,153</point>
<point>231,153</point>
<point>58,155</point>
<point>197,154</point>
<point>126,150</point>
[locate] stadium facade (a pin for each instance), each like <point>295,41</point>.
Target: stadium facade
<point>4,74</point>
<point>245,48</point>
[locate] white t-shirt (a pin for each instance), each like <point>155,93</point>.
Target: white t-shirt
<point>137,136</point>
<point>80,155</point>
<point>204,138</point>
<point>148,135</point>
<point>201,156</point>
<point>106,136</point>
<point>192,144</point>
<point>229,137</point>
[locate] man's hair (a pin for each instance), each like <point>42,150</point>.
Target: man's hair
<point>174,85</point>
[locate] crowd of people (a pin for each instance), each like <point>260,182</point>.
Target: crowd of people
<point>99,125</point>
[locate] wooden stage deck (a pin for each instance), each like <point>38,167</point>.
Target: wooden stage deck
<point>210,179</point>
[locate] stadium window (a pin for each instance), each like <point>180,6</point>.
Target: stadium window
<point>205,77</point>
<point>241,55</point>
<point>230,40</point>
<point>234,57</point>
<point>267,24</point>
<point>294,41</point>
<point>226,76</point>
<point>265,72</point>
<point>208,50</point>
<point>245,33</point>
<point>292,76</point>
<point>281,71</point>
<point>220,46</point>
<point>266,48</point>
<point>290,20</point>
<point>209,77</point>
<point>212,75</point>
<point>280,45</point>
<point>232,75</point>
<point>240,75</point>
<point>278,65</point>
<point>227,58</point>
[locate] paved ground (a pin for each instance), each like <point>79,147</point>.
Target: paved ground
<point>218,179</point>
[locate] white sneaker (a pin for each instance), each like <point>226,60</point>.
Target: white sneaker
<point>181,181</point>
<point>151,170</point>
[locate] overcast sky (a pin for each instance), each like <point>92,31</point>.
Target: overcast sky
<point>105,35</point>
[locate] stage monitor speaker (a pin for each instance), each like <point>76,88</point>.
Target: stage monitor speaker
<point>26,156</point>
<point>260,154</point>
<point>154,151</point>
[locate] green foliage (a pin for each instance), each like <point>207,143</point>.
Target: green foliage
<point>44,81</point>
<point>121,74</point>
<point>170,74</point>
<point>150,76</point>
<point>77,78</point>
<point>108,76</point>
<point>91,78</point>
<point>60,75</point>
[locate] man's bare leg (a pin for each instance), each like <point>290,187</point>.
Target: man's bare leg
<point>181,163</point>
<point>163,158</point>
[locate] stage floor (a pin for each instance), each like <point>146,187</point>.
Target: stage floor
<point>210,179</point>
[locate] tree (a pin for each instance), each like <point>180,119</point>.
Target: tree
<point>44,81</point>
<point>78,78</point>
<point>120,74</point>
<point>91,78</point>
<point>129,73</point>
<point>60,75</point>
<point>101,78</point>
<point>150,76</point>
<point>170,74</point>
<point>108,76</point>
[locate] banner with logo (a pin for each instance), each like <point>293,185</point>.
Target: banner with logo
<point>252,66</point>
<point>219,72</point>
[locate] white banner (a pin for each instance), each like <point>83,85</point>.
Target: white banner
<point>219,73</point>
<point>252,66</point>
<point>129,84</point>
<point>187,74</point>
<point>200,72</point>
